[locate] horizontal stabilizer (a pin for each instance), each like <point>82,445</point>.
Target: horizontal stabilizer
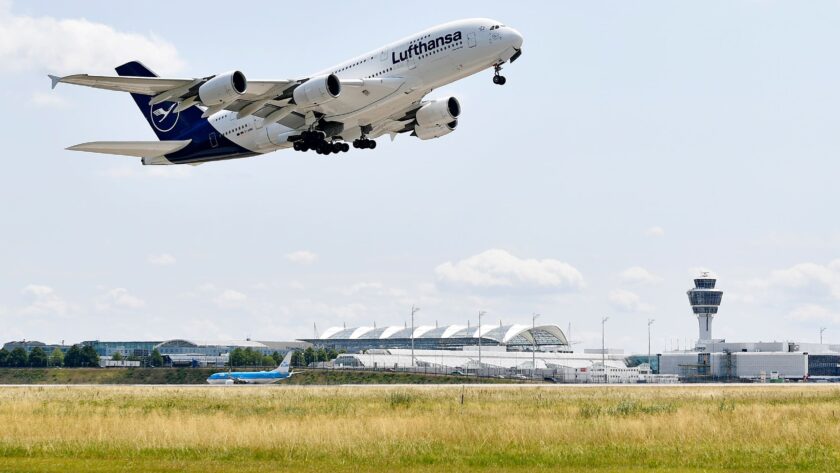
<point>140,149</point>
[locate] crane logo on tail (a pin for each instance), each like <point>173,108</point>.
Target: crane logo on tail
<point>163,116</point>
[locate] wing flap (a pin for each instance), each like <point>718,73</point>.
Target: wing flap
<point>139,149</point>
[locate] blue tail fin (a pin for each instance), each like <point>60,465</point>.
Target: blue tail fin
<point>167,124</point>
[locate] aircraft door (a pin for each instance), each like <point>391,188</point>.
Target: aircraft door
<point>471,40</point>
<point>214,141</point>
<point>412,62</point>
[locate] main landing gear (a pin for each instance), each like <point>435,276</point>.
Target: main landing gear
<point>316,141</point>
<point>498,79</point>
<point>364,143</point>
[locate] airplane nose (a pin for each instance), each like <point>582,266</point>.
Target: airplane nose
<point>516,38</point>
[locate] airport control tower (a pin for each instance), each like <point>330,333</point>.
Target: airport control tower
<point>705,300</point>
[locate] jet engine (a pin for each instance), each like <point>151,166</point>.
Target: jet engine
<point>438,113</point>
<point>434,131</point>
<point>317,91</point>
<point>224,88</point>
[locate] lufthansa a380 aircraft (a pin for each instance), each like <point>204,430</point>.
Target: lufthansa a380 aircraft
<point>381,92</point>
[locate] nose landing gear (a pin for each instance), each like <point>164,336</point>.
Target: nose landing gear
<point>498,79</point>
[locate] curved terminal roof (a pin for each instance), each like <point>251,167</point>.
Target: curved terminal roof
<point>181,343</point>
<point>504,334</point>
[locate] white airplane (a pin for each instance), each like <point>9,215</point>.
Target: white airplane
<point>381,92</point>
<point>254,377</point>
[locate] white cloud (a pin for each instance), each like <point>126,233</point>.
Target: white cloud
<point>498,269</point>
<point>655,232</point>
<point>297,286</point>
<point>627,301</point>
<point>376,289</point>
<point>162,259</point>
<point>45,301</point>
<point>230,299</point>
<point>805,278</point>
<point>45,100</point>
<point>64,46</point>
<point>639,275</point>
<point>119,298</point>
<point>302,257</point>
<point>815,313</point>
<point>38,290</point>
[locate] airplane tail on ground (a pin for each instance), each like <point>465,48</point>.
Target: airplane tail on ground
<point>284,365</point>
<point>164,120</point>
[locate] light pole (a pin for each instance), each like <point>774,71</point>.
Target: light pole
<point>822,329</point>
<point>604,348</point>
<point>414,310</point>
<point>534,350</point>
<point>481,314</point>
<point>650,322</point>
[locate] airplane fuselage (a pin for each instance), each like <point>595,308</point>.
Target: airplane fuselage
<point>247,377</point>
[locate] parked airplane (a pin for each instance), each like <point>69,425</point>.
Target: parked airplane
<point>381,92</point>
<point>254,377</point>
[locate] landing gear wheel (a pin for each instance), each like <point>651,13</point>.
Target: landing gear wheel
<point>364,143</point>
<point>345,147</point>
<point>498,79</point>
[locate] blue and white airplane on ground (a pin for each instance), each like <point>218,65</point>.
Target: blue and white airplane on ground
<point>381,92</point>
<point>254,377</point>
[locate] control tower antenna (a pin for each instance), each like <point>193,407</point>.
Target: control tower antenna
<point>705,301</point>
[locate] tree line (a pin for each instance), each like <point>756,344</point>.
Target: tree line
<point>85,356</point>
<point>311,355</point>
<point>76,356</point>
<point>249,357</point>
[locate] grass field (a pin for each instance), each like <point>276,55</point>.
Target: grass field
<point>423,429</point>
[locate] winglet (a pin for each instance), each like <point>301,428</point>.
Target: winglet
<point>55,80</point>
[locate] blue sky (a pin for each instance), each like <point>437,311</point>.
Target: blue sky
<point>633,144</point>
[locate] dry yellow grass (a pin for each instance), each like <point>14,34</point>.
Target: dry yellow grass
<point>687,428</point>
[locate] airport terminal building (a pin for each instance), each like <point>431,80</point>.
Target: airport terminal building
<point>549,338</point>
<point>185,352</point>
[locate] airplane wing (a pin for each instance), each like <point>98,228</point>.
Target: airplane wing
<point>258,94</point>
<point>272,100</point>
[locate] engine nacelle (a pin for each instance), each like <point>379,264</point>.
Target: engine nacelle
<point>316,91</point>
<point>224,88</point>
<point>438,112</point>
<point>434,131</point>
